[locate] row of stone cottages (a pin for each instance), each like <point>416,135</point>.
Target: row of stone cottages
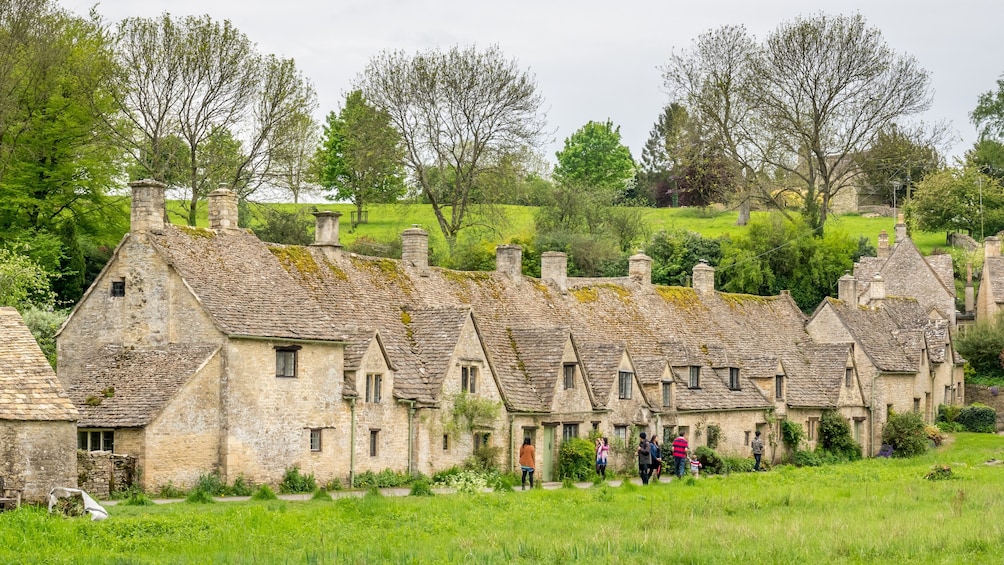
<point>201,350</point>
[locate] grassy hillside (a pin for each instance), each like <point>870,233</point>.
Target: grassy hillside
<point>878,510</point>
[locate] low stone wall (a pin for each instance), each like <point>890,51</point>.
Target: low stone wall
<point>985,395</point>
<point>100,473</point>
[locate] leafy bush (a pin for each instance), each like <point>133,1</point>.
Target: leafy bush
<point>504,482</point>
<point>805,458</point>
<point>384,479</point>
<point>981,345</point>
<point>939,473</point>
<point>293,481</point>
<point>170,491</point>
<point>421,487</point>
<point>241,487</point>
<point>211,483</point>
<point>934,434</point>
<point>443,477</point>
<point>835,437</point>
<point>905,433</point>
<point>264,492</point>
<point>467,482</point>
<point>792,434</point>
<point>951,427</point>
<point>885,450</point>
<point>710,461</point>
<point>366,245</point>
<point>714,434</point>
<point>738,464</point>
<point>979,418</point>
<point>948,413</point>
<point>485,459</point>
<point>575,460</point>
<point>199,496</point>
<point>136,498</point>
<point>334,484</point>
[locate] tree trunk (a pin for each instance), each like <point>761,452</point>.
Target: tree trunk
<point>744,211</point>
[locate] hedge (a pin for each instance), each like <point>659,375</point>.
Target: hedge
<point>978,418</point>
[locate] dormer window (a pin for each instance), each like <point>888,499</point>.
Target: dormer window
<point>733,378</point>
<point>667,395</point>
<point>569,376</point>
<point>118,288</point>
<point>695,376</point>
<point>778,387</point>
<point>285,361</point>
<point>469,379</point>
<point>848,377</point>
<point>624,379</point>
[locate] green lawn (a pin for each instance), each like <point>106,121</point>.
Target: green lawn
<point>877,510</point>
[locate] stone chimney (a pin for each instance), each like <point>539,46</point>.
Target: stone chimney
<point>992,247</point>
<point>883,244</point>
<point>847,289</point>
<point>509,260</point>
<point>877,289</point>
<point>147,210</point>
<point>704,277</point>
<point>640,268</point>
<point>415,249</point>
<point>554,267</point>
<point>326,228</point>
<point>970,294</point>
<point>222,209</point>
<point>900,228</point>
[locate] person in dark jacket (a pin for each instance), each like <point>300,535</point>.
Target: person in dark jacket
<point>656,458</point>
<point>644,459</point>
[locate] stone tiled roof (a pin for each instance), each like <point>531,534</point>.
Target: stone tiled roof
<point>601,362</point>
<point>942,266</point>
<point>29,389</point>
<point>876,329</point>
<point>649,369</point>
<point>121,387</point>
<point>815,375</point>
<point>435,333</point>
<point>536,359</point>
<point>714,393</point>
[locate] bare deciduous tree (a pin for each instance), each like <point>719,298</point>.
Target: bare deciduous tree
<point>461,113</point>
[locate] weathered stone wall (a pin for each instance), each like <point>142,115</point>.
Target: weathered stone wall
<point>100,473</point>
<point>734,426</point>
<point>388,418</point>
<point>37,456</point>
<point>183,441</point>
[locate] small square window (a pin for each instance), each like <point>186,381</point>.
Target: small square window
<point>569,376</point>
<point>118,288</point>
<point>620,432</point>
<point>315,440</point>
<point>569,431</point>
<point>285,361</point>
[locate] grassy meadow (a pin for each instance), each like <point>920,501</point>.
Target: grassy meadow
<point>878,510</point>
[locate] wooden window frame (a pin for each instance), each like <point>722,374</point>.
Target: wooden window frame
<point>624,384</point>
<point>315,434</point>
<point>695,377</point>
<point>282,368</point>
<point>569,375</point>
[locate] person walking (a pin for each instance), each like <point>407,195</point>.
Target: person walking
<point>680,447</point>
<point>656,458</point>
<point>644,459</point>
<point>527,461</point>
<point>757,446</point>
<point>602,452</point>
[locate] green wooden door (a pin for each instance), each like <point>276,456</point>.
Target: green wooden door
<point>548,471</point>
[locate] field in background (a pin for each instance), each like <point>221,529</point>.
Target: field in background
<point>387,221</point>
<point>877,510</point>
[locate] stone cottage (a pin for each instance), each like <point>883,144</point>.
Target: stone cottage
<point>38,423</point>
<point>208,350</point>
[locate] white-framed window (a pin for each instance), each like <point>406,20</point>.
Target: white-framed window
<point>569,375</point>
<point>695,376</point>
<point>96,440</point>
<point>569,431</point>
<point>286,361</point>
<point>469,378</point>
<point>374,442</point>
<point>315,440</point>
<point>374,384</point>
<point>667,395</point>
<point>624,379</point>
<point>734,378</point>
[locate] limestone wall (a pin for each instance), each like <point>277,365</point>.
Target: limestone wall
<point>37,456</point>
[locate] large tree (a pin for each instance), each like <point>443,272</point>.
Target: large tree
<point>195,79</point>
<point>896,158</point>
<point>461,114</point>
<point>361,156</point>
<point>801,103</point>
<point>988,116</point>
<point>958,199</point>
<point>594,157</point>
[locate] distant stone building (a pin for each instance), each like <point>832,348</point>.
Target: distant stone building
<point>208,350</point>
<point>37,420</point>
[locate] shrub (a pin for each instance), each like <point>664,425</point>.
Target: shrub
<point>710,461</point>
<point>136,498</point>
<point>485,459</point>
<point>211,483</point>
<point>293,481</point>
<point>939,473</point>
<point>805,458</point>
<point>170,491</point>
<point>567,483</point>
<point>835,437</point>
<point>468,482</point>
<point>575,460</point>
<point>714,434</point>
<point>951,427</point>
<point>384,479</point>
<point>738,464</point>
<point>199,496</point>
<point>421,487</point>
<point>241,487</point>
<point>333,484</point>
<point>948,413</point>
<point>905,433</point>
<point>504,482</point>
<point>885,450</point>
<point>791,434</point>
<point>443,477</point>
<point>264,492</point>
<point>979,418</point>
<point>934,434</point>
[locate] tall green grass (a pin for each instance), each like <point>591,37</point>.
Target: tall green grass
<point>877,510</point>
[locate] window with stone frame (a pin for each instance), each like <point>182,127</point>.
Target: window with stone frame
<point>118,288</point>
<point>569,375</point>
<point>695,376</point>
<point>667,395</point>
<point>621,433</point>
<point>286,360</point>
<point>96,440</point>
<point>569,431</point>
<point>733,378</point>
<point>315,440</point>
<point>624,379</point>
<point>374,442</point>
<point>469,379</point>
<point>779,387</point>
<point>374,386</point>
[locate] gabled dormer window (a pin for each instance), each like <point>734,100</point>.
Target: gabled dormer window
<point>667,395</point>
<point>285,360</point>
<point>733,378</point>
<point>848,377</point>
<point>469,379</point>
<point>778,387</point>
<point>624,384</point>
<point>569,375</point>
<point>695,376</point>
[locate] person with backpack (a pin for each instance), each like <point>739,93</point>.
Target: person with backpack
<point>680,447</point>
<point>644,459</point>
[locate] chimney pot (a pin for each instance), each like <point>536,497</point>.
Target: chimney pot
<point>326,228</point>
<point>223,209</point>
<point>704,277</point>
<point>877,289</point>
<point>640,268</point>
<point>147,208</point>
<point>554,267</point>
<point>415,249</point>
<point>883,244</point>
<point>847,289</point>
<point>509,260</point>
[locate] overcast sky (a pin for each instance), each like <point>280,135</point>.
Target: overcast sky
<point>593,60</point>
